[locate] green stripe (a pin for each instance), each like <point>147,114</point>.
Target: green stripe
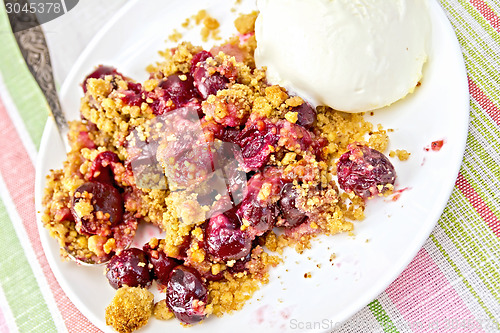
<point>475,59</point>
<point>466,235</point>
<point>490,131</point>
<point>382,317</point>
<point>19,284</point>
<point>21,86</point>
<point>471,238</point>
<point>463,279</point>
<point>485,24</point>
<point>485,180</point>
<point>478,62</point>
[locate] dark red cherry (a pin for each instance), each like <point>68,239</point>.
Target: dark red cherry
<point>260,217</point>
<point>101,169</point>
<point>129,268</point>
<point>186,295</point>
<point>179,88</point>
<point>365,171</point>
<point>224,238</point>
<point>260,213</point>
<point>199,57</point>
<point>208,83</point>
<point>306,115</point>
<point>134,95</point>
<point>107,208</point>
<point>162,264</point>
<point>240,265</point>
<point>257,141</point>
<point>291,214</point>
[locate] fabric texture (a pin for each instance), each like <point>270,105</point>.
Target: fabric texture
<point>452,285</point>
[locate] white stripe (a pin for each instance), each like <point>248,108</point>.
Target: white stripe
<point>7,314</point>
<point>468,273</point>
<point>483,170</point>
<point>17,121</point>
<point>31,257</point>
<point>393,313</point>
<point>480,46</point>
<point>478,235</point>
<point>363,321</point>
<point>484,46</point>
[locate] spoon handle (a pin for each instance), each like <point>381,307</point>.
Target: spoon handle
<point>33,46</point>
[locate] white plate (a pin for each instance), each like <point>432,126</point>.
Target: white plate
<point>395,230</point>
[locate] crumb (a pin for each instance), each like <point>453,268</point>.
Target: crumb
<point>162,312</point>
<point>210,28</point>
<point>130,309</point>
<point>211,23</point>
<point>245,23</point>
<point>402,155</point>
<point>176,36</point>
<point>291,117</point>
<point>186,24</point>
<point>307,275</point>
<point>378,140</point>
<point>200,16</point>
<point>276,95</point>
<point>294,101</point>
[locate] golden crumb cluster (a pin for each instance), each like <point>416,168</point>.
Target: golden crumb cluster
<point>130,309</point>
<point>209,27</point>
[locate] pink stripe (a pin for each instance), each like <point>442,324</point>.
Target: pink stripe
<point>479,205</point>
<point>487,13</point>
<point>19,175</point>
<point>491,109</point>
<point>4,328</point>
<point>426,299</point>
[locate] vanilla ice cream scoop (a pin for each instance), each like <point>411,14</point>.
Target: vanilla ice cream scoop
<point>352,55</point>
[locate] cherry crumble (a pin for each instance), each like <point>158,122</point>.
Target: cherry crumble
<point>299,172</point>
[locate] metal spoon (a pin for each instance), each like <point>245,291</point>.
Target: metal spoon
<point>86,261</point>
<point>33,46</point>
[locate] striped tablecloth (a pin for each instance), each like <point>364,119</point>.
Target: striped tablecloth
<point>452,285</point>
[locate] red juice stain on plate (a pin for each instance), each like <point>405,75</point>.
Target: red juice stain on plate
<point>286,313</point>
<point>397,194</point>
<point>396,197</point>
<point>260,314</point>
<point>435,145</point>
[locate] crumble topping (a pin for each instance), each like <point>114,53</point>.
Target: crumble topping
<point>130,309</point>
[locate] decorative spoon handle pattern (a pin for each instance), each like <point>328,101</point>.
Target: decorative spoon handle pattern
<point>33,46</point>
